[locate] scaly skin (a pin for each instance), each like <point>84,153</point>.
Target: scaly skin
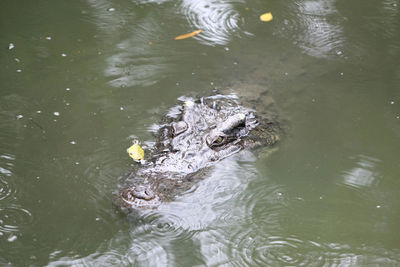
<point>205,132</point>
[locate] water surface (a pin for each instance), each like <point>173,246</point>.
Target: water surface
<point>81,80</point>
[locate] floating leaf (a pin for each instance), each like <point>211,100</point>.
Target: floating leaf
<point>136,152</point>
<point>266,17</point>
<point>188,35</point>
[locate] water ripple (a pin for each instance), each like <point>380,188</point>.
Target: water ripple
<point>218,19</point>
<point>258,248</point>
<point>13,218</point>
<point>6,189</point>
<point>314,26</point>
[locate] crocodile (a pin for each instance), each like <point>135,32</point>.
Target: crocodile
<point>191,138</point>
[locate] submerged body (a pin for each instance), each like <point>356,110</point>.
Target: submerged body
<point>195,135</point>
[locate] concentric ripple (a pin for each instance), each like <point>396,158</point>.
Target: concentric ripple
<point>6,187</point>
<point>315,27</point>
<point>6,190</point>
<point>13,218</point>
<point>218,19</point>
<point>258,248</point>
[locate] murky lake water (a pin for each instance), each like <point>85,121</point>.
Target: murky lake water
<point>81,79</point>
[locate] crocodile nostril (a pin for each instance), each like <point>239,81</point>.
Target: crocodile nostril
<point>142,192</point>
<point>179,127</point>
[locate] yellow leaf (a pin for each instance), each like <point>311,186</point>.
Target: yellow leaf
<point>266,17</point>
<point>187,35</point>
<point>136,152</point>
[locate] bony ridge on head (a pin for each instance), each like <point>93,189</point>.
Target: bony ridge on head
<point>188,104</point>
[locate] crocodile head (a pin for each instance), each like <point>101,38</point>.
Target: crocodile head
<point>195,135</point>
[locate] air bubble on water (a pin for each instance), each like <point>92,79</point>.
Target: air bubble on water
<point>111,9</point>
<point>73,142</point>
<point>11,46</point>
<point>97,219</point>
<point>121,108</point>
<point>397,117</point>
<point>19,70</point>
<point>177,84</point>
<point>235,63</point>
<point>67,104</point>
<point>226,48</point>
<point>48,38</point>
<point>341,74</point>
<point>378,206</point>
<point>63,55</point>
<point>56,113</point>
<point>17,60</point>
<point>391,102</point>
<point>212,83</point>
<point>20,116</point>
<point>193,73</point>
<point>339,53</point>
<point>77,163</point>
<point>279,194</point>
<point>67,89</point>
<point>286,74</point>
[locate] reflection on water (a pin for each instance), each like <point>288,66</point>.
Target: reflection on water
<point>364,174</point>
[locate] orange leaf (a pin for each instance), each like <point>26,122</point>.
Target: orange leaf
<point>188,35</point>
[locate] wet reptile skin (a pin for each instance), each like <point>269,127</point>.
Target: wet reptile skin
<point>194,136</point>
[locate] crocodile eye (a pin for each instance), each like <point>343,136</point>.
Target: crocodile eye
<point>219,141</point>
<point>216,141</point>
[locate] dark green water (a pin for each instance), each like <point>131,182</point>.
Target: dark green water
<point>79,80</point>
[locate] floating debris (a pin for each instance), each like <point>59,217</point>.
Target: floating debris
<point>266,17</point>
<point>56,113</point>
<point>136,152</point>
<point>187,35</point>
<point>11,46</point>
